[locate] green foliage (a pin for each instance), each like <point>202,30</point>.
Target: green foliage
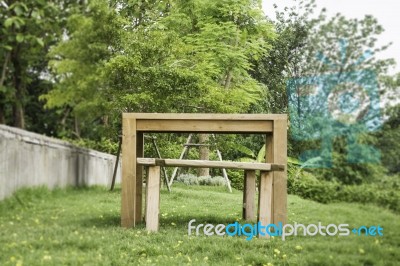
<point>193,58</point>
<point>236,177</point>
<point>388,140</point>
<point>190,180</point>
<point>28,28</point>
<point>384,193</point>
<point>104,145</point>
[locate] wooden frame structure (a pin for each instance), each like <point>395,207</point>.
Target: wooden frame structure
<point>274,126</point>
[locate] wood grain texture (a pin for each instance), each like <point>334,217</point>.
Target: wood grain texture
<point>210,164</point>
<point>139,178</point>
<point>197,116</point>
<point>196,125</point>
<point>276,155</point>
<point>269,157</point>
<point>265,200</point>
<point>249,195</point>
<point>153,198</point>
<point>280,178</point>
<point>128,182</point>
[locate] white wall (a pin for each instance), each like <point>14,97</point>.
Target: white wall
<point>28,159</point>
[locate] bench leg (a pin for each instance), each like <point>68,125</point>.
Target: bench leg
<point>265,200</point>
<point>249,192</point>
<point>153,198</point>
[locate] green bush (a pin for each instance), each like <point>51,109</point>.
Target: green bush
<point>192,180</point>
<point>384,193</point>
<point>236,178</point>
<point>104,145</point>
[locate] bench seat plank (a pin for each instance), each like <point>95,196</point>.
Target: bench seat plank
<point>210,164</point>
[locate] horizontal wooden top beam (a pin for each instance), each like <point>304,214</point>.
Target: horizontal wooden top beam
<point>193,125</point>
<point>207,117</point>
<point>210,164</point>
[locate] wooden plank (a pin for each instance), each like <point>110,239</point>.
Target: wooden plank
<point>279,146</point>
<point>249,194</point>
<point>210,164</point>
<point>139,178</point>
<point>265,200</point>
<point>269,158</point>
<point>153,198</point>
<point>147,161</point>
<point>128,182</point>
<point>197,116</point>
<point>190,125</point>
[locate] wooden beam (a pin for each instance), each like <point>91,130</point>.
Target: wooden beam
<point>210,164</point>
<point>279,146</point>
<point>265,200</point>
<point>139,178</point>
<point>153,198</point>
<point>128,184</point>
<point>193,125</point>
<point>197,116</point>
<point>249,194</point>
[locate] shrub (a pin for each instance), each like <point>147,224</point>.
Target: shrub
<point>385,193</point>
<point>236,178</point>
<point>192,180</point>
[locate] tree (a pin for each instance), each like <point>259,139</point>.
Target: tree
<point>27,29</point>
<point>389,133</point>
<point>334,54</point>
<point>179,56</point>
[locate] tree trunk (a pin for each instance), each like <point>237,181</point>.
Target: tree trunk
<point>2,115</point>
<point>18,108</point>
<point>2,81</point>
<point>204,154</point>
<point>77,131</point>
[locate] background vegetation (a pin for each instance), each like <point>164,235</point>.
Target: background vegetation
<point>69,68</point>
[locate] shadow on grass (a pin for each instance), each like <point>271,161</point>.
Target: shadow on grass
<point>183,220</point>
<point>113,220</point>
<point>106,221</point>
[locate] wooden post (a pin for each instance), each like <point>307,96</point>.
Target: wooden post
<point>249,193</point>
<point>153,198</point>
<point>139,179</point>
<point>279,153</point>
<point>265,199</point>
<point>128,185</point>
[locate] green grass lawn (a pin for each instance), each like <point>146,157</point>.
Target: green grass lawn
<point>81,227</point>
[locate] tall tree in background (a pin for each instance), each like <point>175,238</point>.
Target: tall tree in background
<point>28,29</point>
<point>316,47</point>
<point>176,56</point>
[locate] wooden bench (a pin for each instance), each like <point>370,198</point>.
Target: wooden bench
<point>265,196</point>
<point>135,125</point>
